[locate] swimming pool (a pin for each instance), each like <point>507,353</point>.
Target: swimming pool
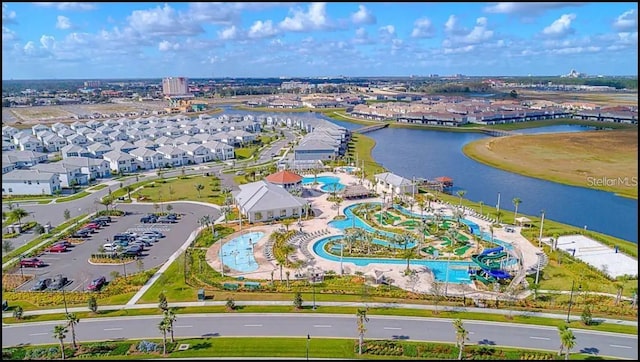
<point>458,270</point>
<point>329,183</point>
<point>237,253</point>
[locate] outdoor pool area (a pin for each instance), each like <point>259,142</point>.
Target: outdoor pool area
<point>237,253</point>
<point>329,183</point>
<point>457,270</point>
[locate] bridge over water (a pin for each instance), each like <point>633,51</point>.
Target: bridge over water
<point>371,128</point>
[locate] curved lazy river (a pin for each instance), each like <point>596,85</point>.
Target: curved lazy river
<point>443,270</point>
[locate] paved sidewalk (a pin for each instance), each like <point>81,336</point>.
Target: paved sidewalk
<point>574,317</point>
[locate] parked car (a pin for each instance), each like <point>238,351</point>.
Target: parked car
<point>143,242</point>
<point>41,284</point>
<point>57,248</point>
<point>147,219</point>
<point>101,223</point>
<point>123,237</point>
<point>82,233</point>
<point>154,233</point>
<point>58,282</point>
<point>31,263</point>
<point>91,226</point>
<point>64,242</point>
<point>122,243</point>
<point>134,250</point>
<point>103,218</point>
<point>166,220</point>
<point>97,283</point>
<point>147,238</point>
<point>108,247</point>
<point>172,216</point>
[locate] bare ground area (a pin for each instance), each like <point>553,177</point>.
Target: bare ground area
<point>602,99</point>
<point>604,160</point>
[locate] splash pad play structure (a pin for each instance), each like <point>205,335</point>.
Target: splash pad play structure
<point>454,250</point>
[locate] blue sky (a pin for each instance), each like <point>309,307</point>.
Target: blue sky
<point>200,40</point>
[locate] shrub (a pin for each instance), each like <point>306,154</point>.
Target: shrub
<point>147,347</point>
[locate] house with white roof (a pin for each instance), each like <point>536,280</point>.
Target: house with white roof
<point>197,153</point>
<point>98,149</point>
<point>39,128</point>
<point>69,174</point>
<point>23,159</point>
<point>124,146</point>
<point>77,139</point>
<point>118,136</point>
<point>30,143</point>
<point>120,162</point>
<point>53,142</point>
<point>174,156</point>
<point>264,201</point>
<point>65,132</point>
<point>220,150</point>
<point>8,146</point>
<point>146,143</point>
<point>93,167</point>
<point>9,131</point>
<point>30,182</point>
<point>7,167</point>
<point>148,159</point>
<point>98,137</point>
<point>75,151</point>
<point>392,184</point>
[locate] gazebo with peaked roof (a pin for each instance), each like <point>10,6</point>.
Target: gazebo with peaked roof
<point>286,179</point>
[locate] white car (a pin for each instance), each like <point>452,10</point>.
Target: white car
<point>148,238</point>
<point>153,233</point>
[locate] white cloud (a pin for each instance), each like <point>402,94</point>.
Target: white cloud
<point>363,16</point>
<point>163,21</point>
<point>362,37</point>
<point>480,33</point>
<point>526,8</point>
<point>63,22</point>
<point>8,16</point>
<point>48,42</point>
<point>229,33</point>
<point>423,28</point>
<point>561,27</point>
<point>314,19</point>
<point>628,21</point>
<point>451,25</point>
<point>262,29</point>
<point>166,45</point>
<point>457,50</point>
<point>8,34</point>
<point>388,30</point>
<point>29,48</point>
<point>68,5</point>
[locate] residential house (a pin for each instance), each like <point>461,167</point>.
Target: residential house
<point>197,153</point>
<point>221,151</point>
<point>75,151</point>
<point>391,184</point>
<point>174,156</point>
<point>98,149</point>
<point>124,146</point>
<point>30,143</point>
<point>120,162</point>
<point>30,182</point>
<point>93,167</point>
<point>23,159</point>
<point>98,137</point>
<point>53,142</point>
<point>7,167</point>
<point>146,143</point>
<point>77,139</point>
<point>148,159</point>
<point>8,146</point>
<point>70,175</point>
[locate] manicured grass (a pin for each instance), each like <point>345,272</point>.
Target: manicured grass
<point>610,157</point>
<point>18,198</point>
<point>75,196</point>
<point>361,146</point>
<point>245,152</point>
<point>177,189</point>
<point>97,187</point>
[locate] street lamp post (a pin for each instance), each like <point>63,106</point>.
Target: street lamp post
<point>308,340</point>
<point>313,284</point>
<point>124,266</point>
<point>221,258</point>
<point>64,300</point>
<point>538,269</point>
<point>571,299</point>
<point>541,225</point>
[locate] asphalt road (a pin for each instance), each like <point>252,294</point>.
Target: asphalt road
<point>74,264</point>
<point>292,325</point>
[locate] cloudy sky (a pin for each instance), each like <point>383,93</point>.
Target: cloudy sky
<point>63,40</point>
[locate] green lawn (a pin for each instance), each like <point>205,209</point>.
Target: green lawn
<point>177,189</point>
<point>75,196</point>
<point>97,187</point>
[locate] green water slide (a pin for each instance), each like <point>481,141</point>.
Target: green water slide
<point>490,262</point>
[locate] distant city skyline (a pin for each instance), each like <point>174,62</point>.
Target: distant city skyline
<point>68,40</point>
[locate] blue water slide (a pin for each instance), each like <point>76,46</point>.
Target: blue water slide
<point>499,274</point>
<point>492,250</point>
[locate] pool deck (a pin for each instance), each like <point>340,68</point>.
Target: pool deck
<point>318,228</point>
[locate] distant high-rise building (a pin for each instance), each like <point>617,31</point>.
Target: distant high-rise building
<point>92,84</point>
<point>174,86</point>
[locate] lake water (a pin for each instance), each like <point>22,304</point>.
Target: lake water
<point>429,154</point>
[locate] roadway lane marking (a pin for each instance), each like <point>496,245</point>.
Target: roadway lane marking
<point>618,346</point>
<point>392,328</point>
<point>543,338</point>
<point>113,329</point>
<point>183,326</point>
<point>38,334</point>
<point>322,326</point>
<point>253,325</point>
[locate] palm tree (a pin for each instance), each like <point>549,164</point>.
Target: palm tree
<point>421,204</point>
<point>164,327</point>
<point>408,254</point>
<point>481,205</point>
<point>72,320</point>
<point>568,340</point>
<point>286,223</point>
<point>19,214</point>
<point>338,202</point>
<point>362,328</point>
<point>170,316</point>
<point>516,201</point>
<point>129,189</point>
<point>199,187</point>
<point>461,194</point>
<point>59,334</point>
<point>461,336</point>
<point>561,329</point>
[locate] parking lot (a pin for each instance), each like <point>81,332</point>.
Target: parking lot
<point>74,263</point>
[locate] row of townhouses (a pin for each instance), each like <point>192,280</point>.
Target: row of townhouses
<point>94,150</point>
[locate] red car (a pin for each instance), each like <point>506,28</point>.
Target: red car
<point>91,226</point>
<point>57,248</point>
<point>97,283</point>
<point>31,263</point>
